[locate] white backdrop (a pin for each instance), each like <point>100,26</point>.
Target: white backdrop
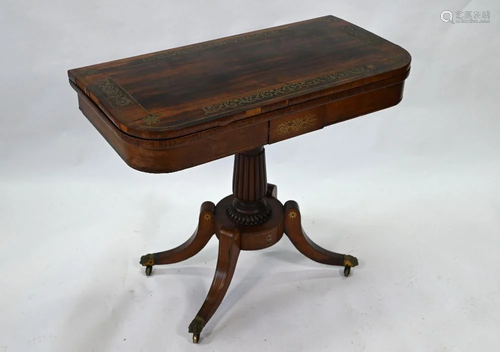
<point>412,191</point>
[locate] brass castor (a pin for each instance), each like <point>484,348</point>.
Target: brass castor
<point>195,328</point>
<point>349,262</point>
<point>148,261</point>
<point>196,338</point>
<point>347,271</point>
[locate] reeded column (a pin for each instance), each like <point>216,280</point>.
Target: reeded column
<point>249,188</point>
<point>249,177</point>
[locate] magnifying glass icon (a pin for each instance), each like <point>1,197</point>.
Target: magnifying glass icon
<point>447,16</point>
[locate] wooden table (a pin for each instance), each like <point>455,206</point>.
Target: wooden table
<point>174,109</point>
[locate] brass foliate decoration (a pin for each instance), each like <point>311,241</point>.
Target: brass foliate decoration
<point>297,124</point>
<point>397,58</point>
<point>151,119</point>
<point>213,44</point>
<point>363,35</point>
<point>114,93</point>
<point>286,89</point>
<point>90,72</point>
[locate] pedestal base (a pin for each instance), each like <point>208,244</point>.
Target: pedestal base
<point>234,237</point>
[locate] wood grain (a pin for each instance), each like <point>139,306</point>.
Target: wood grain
<point>182,91</point>
<point>295,85</point>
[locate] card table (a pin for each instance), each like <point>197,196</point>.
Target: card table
<point>174,109</point>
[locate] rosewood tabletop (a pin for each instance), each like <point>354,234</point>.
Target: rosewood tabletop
<point>178,108</point>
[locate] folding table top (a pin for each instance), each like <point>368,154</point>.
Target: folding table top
<point>178,92</point>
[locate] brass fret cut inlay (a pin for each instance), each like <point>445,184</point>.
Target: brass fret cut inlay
<point>114,93</point>
<point>119,98</point>
<point>295,125</point>
<point>151,119</point>
<point>286,89</point>
<point>214,44</point>
<point>397,58</point>
<point>90,72</point>
<point>362,34</point>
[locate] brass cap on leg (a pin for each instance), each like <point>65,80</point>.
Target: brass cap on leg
<point>349,262</point>
<point>147,260</point>
<point>196,327</point>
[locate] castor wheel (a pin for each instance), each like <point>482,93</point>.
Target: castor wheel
<point>195,328</point>
<point>196,338</point>
<point>347,271</point>
<point>149,270</point>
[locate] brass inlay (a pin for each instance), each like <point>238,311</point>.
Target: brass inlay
<point>213,44</point>
<point>332,19</point>
<point>362,34</point>
<point>207,216</point>
<point>397,58</point>
<point>237,237</point>
<point>150,119</point>
<point>114,92</point>
<point>90,72</point>
<point>286,89</point>
<point>293,214</point>
<point>297,124</point>
<point>269,238</point>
